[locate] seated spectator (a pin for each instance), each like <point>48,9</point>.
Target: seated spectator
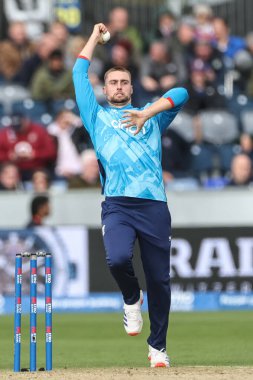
<point>186,35</point>
<point>225,43</point>
<point>120,29</point>
<point>27,145</point>
<point>40,181</point>
<point>40,209</point>
<point>203,94</point>
<point>121,55</point>
<point>241,171</point>
<point>42,49</point>
<point>53,81</point>
<point>165,28</point>
<point>158,71</point>
<point>9,177</point>
<point>10,63</point>
<point>181,46</point>
<point>18,36</point>
<point>89,176</point>
<point>72,139</point>
<point>204,28</point>
<point>204,52</point>
<point>61,33</point>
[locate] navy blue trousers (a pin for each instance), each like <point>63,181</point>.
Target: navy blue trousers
<point>124,220</point>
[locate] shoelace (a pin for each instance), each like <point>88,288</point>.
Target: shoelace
<point>162,354</point>
<point>132,314</point>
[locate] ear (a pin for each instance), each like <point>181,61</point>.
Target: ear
<point>104,90</point>
<point>132,90</point>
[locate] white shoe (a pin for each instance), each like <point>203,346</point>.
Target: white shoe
<point>132,317</point>
<point>158,358</point>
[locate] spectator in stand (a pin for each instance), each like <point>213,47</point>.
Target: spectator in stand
<point>202,89</point>
<point>35,15</point>
<point>60,32</point>
<point>18,36</point>
<point>120,29</point>
<point>186,34</point>
<point>241,171</point>
<point>27,145</point>
<point>225,43</point>
<point>204,52</point>
<point>40,209</point>
<point>43,48</point>
<point>235,56</point>
<point>165,27</point>
<point>71,139</point>
<point>89,176</point>
<point>122,55</point>
<point>204,27</point>
<point>9,177</point>
<point>158,71</point>
<point>10,63</point>
<point>182,44</point>
<point>53,81</point>
<point>40,181</point>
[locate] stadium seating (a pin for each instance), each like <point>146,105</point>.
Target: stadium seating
<point>219,131</point>
<point>247,121</point>
<point>10,94</point>
<point>35,110</point>
<point>183,125</point>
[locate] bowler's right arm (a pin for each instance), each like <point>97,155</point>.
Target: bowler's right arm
<point>85,96</point>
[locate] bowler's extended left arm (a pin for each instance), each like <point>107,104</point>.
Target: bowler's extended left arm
<point>165,108</point>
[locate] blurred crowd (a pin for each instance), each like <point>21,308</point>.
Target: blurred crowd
<point>42,140</point>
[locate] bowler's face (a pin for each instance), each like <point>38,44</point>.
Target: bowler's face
<point>118,88</point>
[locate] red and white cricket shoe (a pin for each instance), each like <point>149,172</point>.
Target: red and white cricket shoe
<point>132,317</point>
<point>158,358</point>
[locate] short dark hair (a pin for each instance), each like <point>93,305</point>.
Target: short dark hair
<point>37,202</point>
<point>56,54</point>
<point>117,68</point>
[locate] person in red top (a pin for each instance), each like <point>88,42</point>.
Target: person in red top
<point>26,144</point>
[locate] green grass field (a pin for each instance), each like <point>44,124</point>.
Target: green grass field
<point>99,340</point>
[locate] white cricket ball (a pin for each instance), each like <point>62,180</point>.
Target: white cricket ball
<point>106,36</point>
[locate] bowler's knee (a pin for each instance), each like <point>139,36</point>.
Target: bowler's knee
<point>118,260</point>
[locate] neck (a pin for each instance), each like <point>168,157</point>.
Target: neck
<point>119,105</point>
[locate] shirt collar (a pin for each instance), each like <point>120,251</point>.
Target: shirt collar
<point>128,106</point>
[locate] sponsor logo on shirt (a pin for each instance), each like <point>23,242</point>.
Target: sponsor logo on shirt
<point>116,124</point>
